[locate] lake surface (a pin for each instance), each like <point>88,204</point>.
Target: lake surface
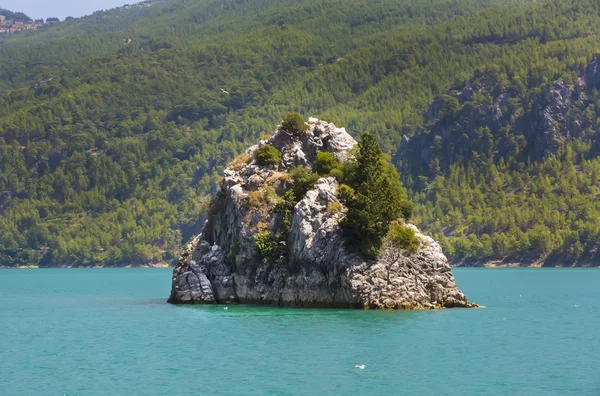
<point>110,332</point>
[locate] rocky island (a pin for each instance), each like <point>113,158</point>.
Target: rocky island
<point>288,227</point>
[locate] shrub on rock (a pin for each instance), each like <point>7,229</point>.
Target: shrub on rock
<point>345,192</point>
<point>334,207</point>
<point>267,245</point>
<point>325,163</point>
<point>294,123</point>
<point>303,181</point>
<point>268,155</point>
<point>403,238</point>
<point>338,174</point>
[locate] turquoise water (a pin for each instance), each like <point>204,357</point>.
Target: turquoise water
<point>110,332</point>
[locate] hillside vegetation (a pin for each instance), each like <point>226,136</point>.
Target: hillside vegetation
<point>108,146</point>
<point>521,169</point>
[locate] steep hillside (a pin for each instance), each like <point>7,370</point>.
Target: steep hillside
<point>337,25</point>
<point>508,172</point>
<point>109,146</point>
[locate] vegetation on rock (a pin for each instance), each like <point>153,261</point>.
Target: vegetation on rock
<point>325,163</point>
<point>304,179</point>
<point>403,237</point>
<point>376,199</point>
<point>267,245</point>
<point>284,208</point>
<point>294,123</point>
<point>334,207</point>
<point>268,155</point>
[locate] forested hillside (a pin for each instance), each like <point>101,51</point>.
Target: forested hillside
<point>505,171</point>
<point>113,128</point>
<point>14,16</point>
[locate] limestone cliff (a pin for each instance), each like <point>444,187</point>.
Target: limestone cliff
<point>315,269</point>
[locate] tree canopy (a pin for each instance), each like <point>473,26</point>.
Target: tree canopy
<point>114,127</point>
<point>15,16</point>
<point>375,201</point>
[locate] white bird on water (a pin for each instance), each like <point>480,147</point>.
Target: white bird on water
<point>226,308</point>
<point>359,366</point>
<point>224,91</point>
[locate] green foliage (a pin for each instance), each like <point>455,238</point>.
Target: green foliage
<point>504,187</point>
<point>338,174</point>
<point>448,107</point>
<point>334,207</point>
<point>403,238</point>
<point>377,199</point>
<point>268,155</point>
<point>345,192</point>
<point>325,162</point>
<point>285,208</point>
<point>539,212</point>
<point>267,246</point>
<point>303,179</point>
<point>107,150</point>
<point>15,16</point>
<point>399,202</point>
<point>294,123</point>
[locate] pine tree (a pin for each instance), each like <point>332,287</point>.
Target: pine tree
<point>377,200</point>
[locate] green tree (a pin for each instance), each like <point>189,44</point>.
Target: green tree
<point>376,202</point>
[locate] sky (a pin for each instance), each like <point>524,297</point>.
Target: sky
<point>60,8</point>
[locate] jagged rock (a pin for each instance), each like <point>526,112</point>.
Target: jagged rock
<point>302,148</point>
<point>479,130</point>
<point>592,74</point>
<point>189,281</point>
<point>221,265</point>
<point>556,127</point>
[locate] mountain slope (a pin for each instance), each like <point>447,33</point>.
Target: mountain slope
<point>107,149</point>
<point>506,172</point>
<point>184,24</point>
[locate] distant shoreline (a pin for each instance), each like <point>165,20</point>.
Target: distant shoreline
<point>158,265</point>
<point>165,265</point>
<point>555,263</point>
<point>512,265</point>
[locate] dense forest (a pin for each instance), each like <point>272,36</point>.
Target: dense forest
<point>115,127</point>
<point>522,168</point>
<point>15,16</point>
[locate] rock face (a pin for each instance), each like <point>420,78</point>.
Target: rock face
<point>222,265</point>
<point>459,124</point>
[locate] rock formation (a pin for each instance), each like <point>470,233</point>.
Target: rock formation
<point>455,126</point>
<point>316,270</point>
